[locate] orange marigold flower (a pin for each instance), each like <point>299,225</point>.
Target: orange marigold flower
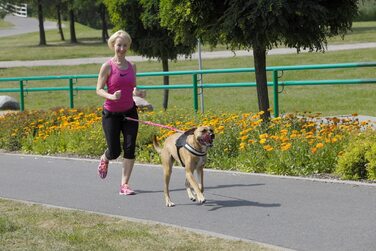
<point>285,146</point>
<point>243,138</point>
<point>320,145</point>
<point>264,136</point>
<point>251,141</point>
<point>268,148</point>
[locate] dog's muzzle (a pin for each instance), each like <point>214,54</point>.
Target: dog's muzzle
<point>207,139</point>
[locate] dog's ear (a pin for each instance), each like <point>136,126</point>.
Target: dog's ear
<point>190,131</point>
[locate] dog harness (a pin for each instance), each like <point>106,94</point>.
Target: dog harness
<point>182,142</point>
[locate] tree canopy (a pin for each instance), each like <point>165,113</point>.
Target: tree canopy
<point>260,25</point>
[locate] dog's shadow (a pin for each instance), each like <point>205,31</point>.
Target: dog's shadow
<point>236,202</point>
<point>229,201</point>
<point>206,188</point>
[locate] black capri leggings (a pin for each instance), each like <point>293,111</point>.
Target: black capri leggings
<point>115,122</point>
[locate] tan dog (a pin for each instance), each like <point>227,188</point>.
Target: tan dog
<point>188,148</point>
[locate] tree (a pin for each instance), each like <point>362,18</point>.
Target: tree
<point>93,14</point>
<point>261,25</point>
<point>140,18</point>
<point>103,14</point>
<point>72,28</point>
<point>42,33</point>
<point>55,9</point>
<point>39,5</point>
<point>59,8</point>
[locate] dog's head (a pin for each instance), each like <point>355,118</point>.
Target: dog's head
<point>204,135</point>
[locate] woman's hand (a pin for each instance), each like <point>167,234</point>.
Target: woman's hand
<point>116,95</point>
<point>139,93</point>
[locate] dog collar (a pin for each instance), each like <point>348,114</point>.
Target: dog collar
<point>193,151</point>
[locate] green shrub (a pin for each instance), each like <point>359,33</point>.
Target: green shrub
<point>371,165</point>
<point>358,160</point>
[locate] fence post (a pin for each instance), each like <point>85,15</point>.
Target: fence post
<point>195,99</point>
<point>22,96</point>
<point>275,92</point>
<point>71,102</point>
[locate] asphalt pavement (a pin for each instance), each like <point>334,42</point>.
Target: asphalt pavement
<point>288,212</point>
<point>22,25</point>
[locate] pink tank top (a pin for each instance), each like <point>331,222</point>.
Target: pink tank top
<point>124,80</point>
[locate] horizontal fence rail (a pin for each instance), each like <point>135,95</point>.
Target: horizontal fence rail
<point>275,83</point>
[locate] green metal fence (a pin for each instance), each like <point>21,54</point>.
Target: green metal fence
<point>275,83</point>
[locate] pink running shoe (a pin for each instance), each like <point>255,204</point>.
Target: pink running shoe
<point>126,190</point>
<point>102,168</point>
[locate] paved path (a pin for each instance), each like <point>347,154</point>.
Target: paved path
<point>23,25</point>
<point>293,213</point>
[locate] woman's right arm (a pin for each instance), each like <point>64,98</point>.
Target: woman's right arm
<point>104,72</point>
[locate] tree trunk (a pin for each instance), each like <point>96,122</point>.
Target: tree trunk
<point>58,10</point>
<point>259,55</point>
<point>102,11</point>
<point>42,34</point>
<point>71,26</point>
<point>166,81</point>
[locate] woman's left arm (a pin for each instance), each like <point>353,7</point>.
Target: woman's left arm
<point>136,92</point>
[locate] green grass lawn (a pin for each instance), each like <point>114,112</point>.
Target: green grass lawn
<point>34,227</point>
<point>329,100</point>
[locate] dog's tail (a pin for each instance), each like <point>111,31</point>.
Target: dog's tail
<point>156,145</point>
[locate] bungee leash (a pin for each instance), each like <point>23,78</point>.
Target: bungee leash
<point>155,124</point>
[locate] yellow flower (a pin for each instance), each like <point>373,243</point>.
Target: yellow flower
<point>285,146</point>
<point>242,146</point>
<point>276,119</point>
<point>251,141</point>
<point>264,136</point>
<point>262,141</point>
<point>274,137</point>
<point>268,148</point>
<point>320,145</point>
<point>293,136</point>
<point>334,140</point>
<point>314,150</point>
<point>284,131</point>
<point>243,138</point>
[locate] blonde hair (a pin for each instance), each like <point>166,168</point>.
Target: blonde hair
<point>122,34</point>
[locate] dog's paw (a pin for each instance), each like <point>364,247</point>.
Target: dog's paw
<point>170,204</point>
<point>201,200</point>
<point>191,194</point>
<point>192,197</point>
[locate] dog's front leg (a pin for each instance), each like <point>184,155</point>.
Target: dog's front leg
<point>167,168</point>
<point>194,185</point>
<point>190,193</point>
<point>200,176</point>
